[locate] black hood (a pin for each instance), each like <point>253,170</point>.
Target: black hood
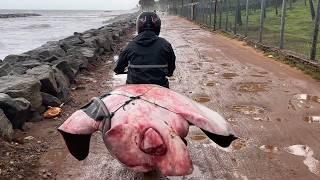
<point>146,38</point>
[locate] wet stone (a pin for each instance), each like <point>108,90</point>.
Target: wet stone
<point>229,75</point>
<point>253,87</point>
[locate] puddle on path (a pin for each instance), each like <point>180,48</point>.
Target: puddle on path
<point>198,137</point>
<point>172,79</point>
<point>183,46</point>
<point>263,72</point>
<point>261,118</point>
<point>312,119</point>
<point>269,148</point>
<point>229,75</point>
<point>196,174</point>
<point>305,151</point>
<point>239,176</point>
<point>239,144</point>
<point>248,110</point>
<point>201,98</point>
<point>257,75</point>
<point>226,65</point>
<point>305,101</point>
<point>212,72</point>
<point>252,87</point>
<point>307,97</point>
<point>85,80</point>
<point>118,80</point>
<point>211,84</point>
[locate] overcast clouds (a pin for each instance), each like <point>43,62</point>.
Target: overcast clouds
<point>68,4</point>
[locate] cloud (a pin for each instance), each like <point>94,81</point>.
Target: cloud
<point>68,4</point>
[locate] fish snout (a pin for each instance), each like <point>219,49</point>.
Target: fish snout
<point>152,143</point>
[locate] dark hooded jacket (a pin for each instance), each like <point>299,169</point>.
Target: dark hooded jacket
<point>149,58</point>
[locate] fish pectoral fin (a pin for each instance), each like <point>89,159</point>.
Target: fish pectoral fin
<point>78,145</point>
<point>223,141</point>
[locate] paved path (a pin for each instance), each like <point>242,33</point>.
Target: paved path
<point>267,103</point>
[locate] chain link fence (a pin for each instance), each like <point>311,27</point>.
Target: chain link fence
<point>286,24</point>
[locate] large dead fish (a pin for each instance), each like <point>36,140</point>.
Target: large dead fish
<point>144,127</point>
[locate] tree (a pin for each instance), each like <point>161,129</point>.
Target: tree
<point>147,4</point>
<point>313,14</point>
<point>238,13</point>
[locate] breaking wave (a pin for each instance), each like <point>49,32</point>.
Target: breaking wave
<point>37,26</point>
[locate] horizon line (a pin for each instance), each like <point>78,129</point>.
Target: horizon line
<point>73,9</point>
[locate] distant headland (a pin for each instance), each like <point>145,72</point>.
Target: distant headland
<point>18,15</point>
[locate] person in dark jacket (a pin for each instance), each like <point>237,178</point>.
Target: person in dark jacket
<point>150,59</point>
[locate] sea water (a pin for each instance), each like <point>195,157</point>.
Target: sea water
<point>18,35</point>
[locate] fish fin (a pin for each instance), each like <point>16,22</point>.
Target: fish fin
<point>223,141</point>
<point>78,144</point>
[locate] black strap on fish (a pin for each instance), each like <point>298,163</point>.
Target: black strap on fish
<point>97,110</point>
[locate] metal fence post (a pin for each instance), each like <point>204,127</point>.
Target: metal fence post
<point>182,8</point>
<point>206,12</point>
<point>210,14</point>
<point>261,20</point>
<point>315,34</point>
<point>215,15</point>
<point>235,18</point>
<point>203,14</point>
<point>247,18</point>
<point>227,14</point>
<point>220,14</point>
<point>283,21</point>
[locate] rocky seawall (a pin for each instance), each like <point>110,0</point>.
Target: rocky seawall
<point>19,15</point>
<point>35,80</point>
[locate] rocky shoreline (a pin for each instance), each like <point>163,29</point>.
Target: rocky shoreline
<point>35,80</point>
<point>19,15</point>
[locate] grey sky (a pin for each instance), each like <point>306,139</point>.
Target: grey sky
<point>68,4</point>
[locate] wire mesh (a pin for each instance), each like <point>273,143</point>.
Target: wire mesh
<point>259,20</point>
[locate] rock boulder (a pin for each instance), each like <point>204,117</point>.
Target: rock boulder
<point>22,86</point>
<point>16,109</point>
<point>45,74</point>
<point>6,130</point>
<point>49,100</point>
